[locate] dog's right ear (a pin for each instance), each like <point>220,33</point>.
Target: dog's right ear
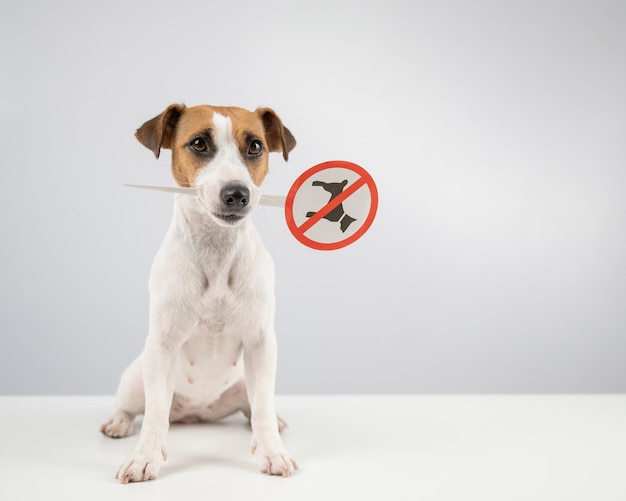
<point>158,132</point>
<point>278,136</point>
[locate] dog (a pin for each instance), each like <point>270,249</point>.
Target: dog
<point>211,346</point>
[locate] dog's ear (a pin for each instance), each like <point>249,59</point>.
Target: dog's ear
<point>278,137</point>
<point>157,133</point>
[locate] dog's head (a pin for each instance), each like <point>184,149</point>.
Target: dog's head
<point>220,151</point>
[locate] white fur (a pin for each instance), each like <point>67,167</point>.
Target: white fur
<point>225,167</point>
<point>211,316</point>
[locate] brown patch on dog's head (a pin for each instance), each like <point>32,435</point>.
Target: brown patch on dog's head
<point>190,134</point>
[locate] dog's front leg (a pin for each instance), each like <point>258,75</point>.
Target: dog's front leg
<point>158,376</point>
<point>267,446</point>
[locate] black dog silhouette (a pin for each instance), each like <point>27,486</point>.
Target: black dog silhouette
<point>337,214</point>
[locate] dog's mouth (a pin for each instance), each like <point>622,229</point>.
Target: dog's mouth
<point>222,209</point>
<point>228,218</point>
<point>224,218</point>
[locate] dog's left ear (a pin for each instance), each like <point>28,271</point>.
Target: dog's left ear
<point>158,132</point>
<point>278,137</point>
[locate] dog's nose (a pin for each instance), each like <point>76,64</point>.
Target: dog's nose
<point>235,196</point>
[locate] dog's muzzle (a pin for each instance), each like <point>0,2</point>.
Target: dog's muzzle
<point>235,203</point>
<point>235,196</point>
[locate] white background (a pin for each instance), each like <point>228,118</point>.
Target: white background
<point>495,131</point>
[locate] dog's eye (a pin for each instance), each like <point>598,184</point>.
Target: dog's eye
<point>255,148</point>
<point>199,145</point>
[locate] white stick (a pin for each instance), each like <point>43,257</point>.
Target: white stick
<point>269,200</point>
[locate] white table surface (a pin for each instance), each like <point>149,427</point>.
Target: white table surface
<point>348,447</point>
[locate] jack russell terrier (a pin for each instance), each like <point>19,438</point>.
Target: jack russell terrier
<point>211,346</point>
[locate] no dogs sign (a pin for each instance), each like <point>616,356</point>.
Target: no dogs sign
<point>331,205</point>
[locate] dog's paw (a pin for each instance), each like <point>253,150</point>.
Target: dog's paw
<point>274,460</point>
<point>141,466</point>
<point>282,424</point>
<point>118,426</point>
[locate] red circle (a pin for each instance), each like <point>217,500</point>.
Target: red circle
<point>291,223</point>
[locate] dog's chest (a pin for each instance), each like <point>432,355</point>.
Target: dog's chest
<point>208,364</point>
<point>223,301</point>
<point>210,359</point>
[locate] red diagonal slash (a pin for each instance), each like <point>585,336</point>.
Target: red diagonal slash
<point>349,190</point>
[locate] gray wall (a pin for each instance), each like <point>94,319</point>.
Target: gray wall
<point>495,132</point>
